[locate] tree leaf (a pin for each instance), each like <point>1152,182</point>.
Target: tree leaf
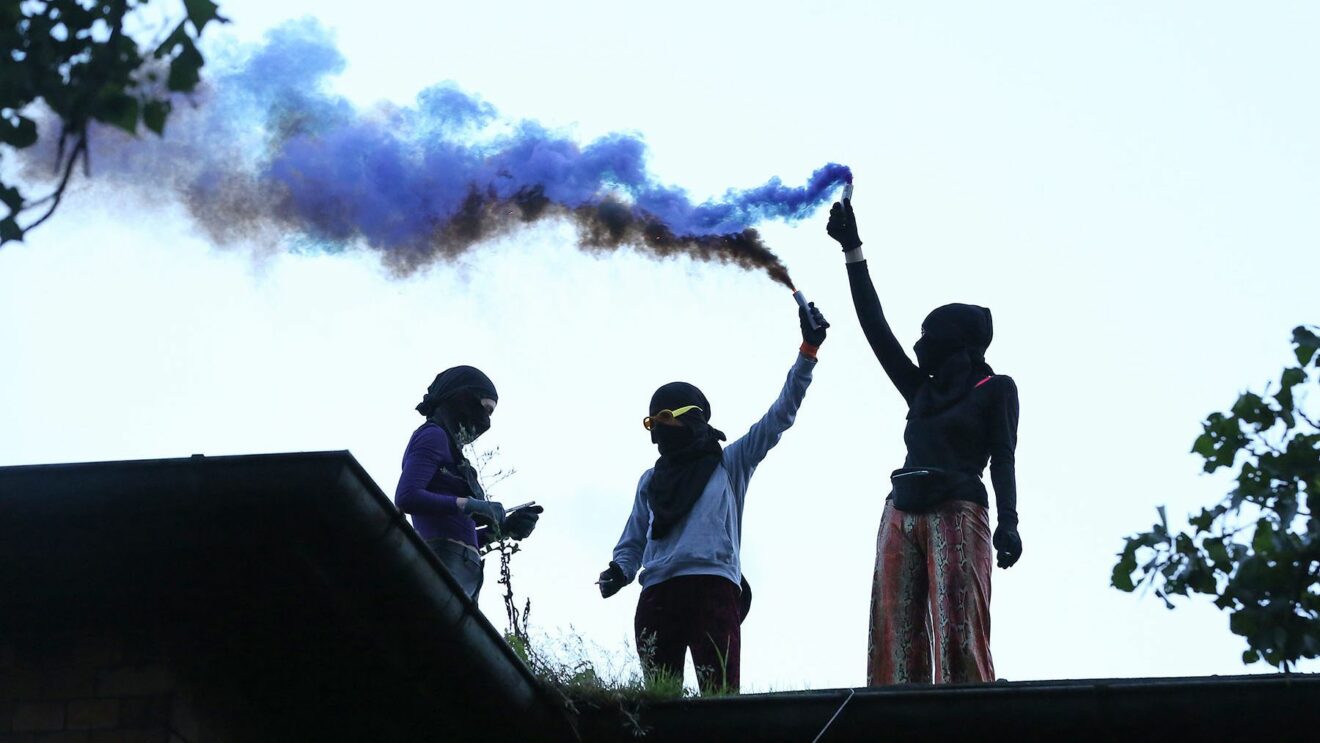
<point>1308,344</point>
<point>12,198</point>
<point>20,134</point>
<point>118,109</point>
<point>202,12</point>
<point>185,69</point>
<point>10,231</point>
<point>154,115</point>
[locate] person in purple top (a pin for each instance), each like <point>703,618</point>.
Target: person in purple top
<point>440,489</point>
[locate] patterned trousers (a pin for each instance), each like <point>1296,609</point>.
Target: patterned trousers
<point>930,599</point>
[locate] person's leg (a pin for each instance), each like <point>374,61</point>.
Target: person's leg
<point>960,593</point>
<point>715,632</point>
<point>899,649</point>
<point>659,636</point>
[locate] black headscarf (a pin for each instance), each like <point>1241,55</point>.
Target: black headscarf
<point>453,401</point>
<point>952,353</point>
<point>689,454</point>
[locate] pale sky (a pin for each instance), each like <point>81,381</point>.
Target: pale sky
<point>1131,187</point>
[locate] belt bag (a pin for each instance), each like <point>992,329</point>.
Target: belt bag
<point>922,489</point>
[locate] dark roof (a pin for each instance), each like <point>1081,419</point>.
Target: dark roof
<point>1232,708</point>
<point>291,574</point>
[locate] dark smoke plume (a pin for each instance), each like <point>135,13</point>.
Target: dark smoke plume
<point>267,151</point>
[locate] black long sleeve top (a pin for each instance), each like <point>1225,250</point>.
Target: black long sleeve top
<point>980,428</point>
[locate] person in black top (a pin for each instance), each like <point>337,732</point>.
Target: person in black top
<point>930,599</point>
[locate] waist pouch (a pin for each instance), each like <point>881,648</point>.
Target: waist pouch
<point>923,489</point>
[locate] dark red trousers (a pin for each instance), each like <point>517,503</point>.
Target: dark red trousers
<point>701,613</point>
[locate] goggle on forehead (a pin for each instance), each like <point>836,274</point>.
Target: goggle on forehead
<point>659,418</point>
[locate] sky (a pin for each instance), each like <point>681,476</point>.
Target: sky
<point>1129,186</point>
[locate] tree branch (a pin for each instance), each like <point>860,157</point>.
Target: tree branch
<point>79,150</point>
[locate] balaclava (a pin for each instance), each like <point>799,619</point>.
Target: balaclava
<point>453,401</point>
<point>689,454</point>
<point>951,352</point>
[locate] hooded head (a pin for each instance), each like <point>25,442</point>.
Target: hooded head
<point>460,400</point>
<point>951,331</point>
<point>691,426</point>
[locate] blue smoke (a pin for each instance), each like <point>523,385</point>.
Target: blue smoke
<point>269,147</point>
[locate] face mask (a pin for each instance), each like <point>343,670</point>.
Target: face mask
<point>671,438</point>
<point>932,352</point>
<point>466,418</point>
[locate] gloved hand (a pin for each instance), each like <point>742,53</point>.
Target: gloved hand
<point>809,336</point>
<point>521,522</point>
<point>843,226</point>
<point>612,580</point>
<point>1008,545</point>
<point>486,512</point>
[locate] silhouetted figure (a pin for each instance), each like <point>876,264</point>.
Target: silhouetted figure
<point>439,487</point>
<point>686,526</point>
<point>931,593</point>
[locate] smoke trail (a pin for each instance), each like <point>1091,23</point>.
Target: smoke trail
<point>267,152</point>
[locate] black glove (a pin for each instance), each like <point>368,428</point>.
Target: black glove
<point>1008,545</point>
<point>521,522</point>
<point>612,580</point>
<point>809,336</point>
<point>486,512</point>
<point>843,225</point>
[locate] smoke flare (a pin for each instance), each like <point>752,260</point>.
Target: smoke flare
<point>267,151</point>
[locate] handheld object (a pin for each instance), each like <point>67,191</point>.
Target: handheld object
<point>801,299</point>
<point>847,191</point>
<point>511,511</point>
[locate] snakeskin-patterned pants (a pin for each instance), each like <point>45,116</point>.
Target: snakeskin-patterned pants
<point>930,599</point>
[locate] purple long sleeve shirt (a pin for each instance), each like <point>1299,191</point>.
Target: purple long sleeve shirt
<point>430,486</point>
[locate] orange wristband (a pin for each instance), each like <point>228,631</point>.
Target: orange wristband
<point>808,350</point>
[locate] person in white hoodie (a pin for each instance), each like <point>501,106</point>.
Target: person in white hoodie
<point>685,529</point>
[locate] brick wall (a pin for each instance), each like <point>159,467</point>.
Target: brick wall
<point>90,686</point>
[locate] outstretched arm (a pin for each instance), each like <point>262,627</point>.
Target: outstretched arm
<point>902,372</point>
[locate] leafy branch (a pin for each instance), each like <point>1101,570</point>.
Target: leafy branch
<point>1270,583</point>
<point>76,57</point>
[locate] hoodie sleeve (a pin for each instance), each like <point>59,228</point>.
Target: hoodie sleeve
<point>428,453</point>
<point>628,552</point>
<point>742,456</point>
<point>1003,447</point>
<point>905,375</point>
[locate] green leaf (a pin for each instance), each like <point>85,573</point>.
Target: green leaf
<point>179,36</point>
<point>185,69</point>
<point>10,231</point>
<point>1249,657</point>
<point>154,115</point>
<point>118,109</point>
<point>1218,554</point>
<point>20,134</point>
<point>202,12</point>
<point>1262,542</point>
<point>12,198</point>
<point>1308,344</point>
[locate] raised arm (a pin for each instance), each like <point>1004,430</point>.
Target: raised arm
<point>742,456</point>
<point>901,370</point>
<point>427,455</point>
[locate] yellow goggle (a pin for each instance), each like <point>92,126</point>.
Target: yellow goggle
<point>651,421</point>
